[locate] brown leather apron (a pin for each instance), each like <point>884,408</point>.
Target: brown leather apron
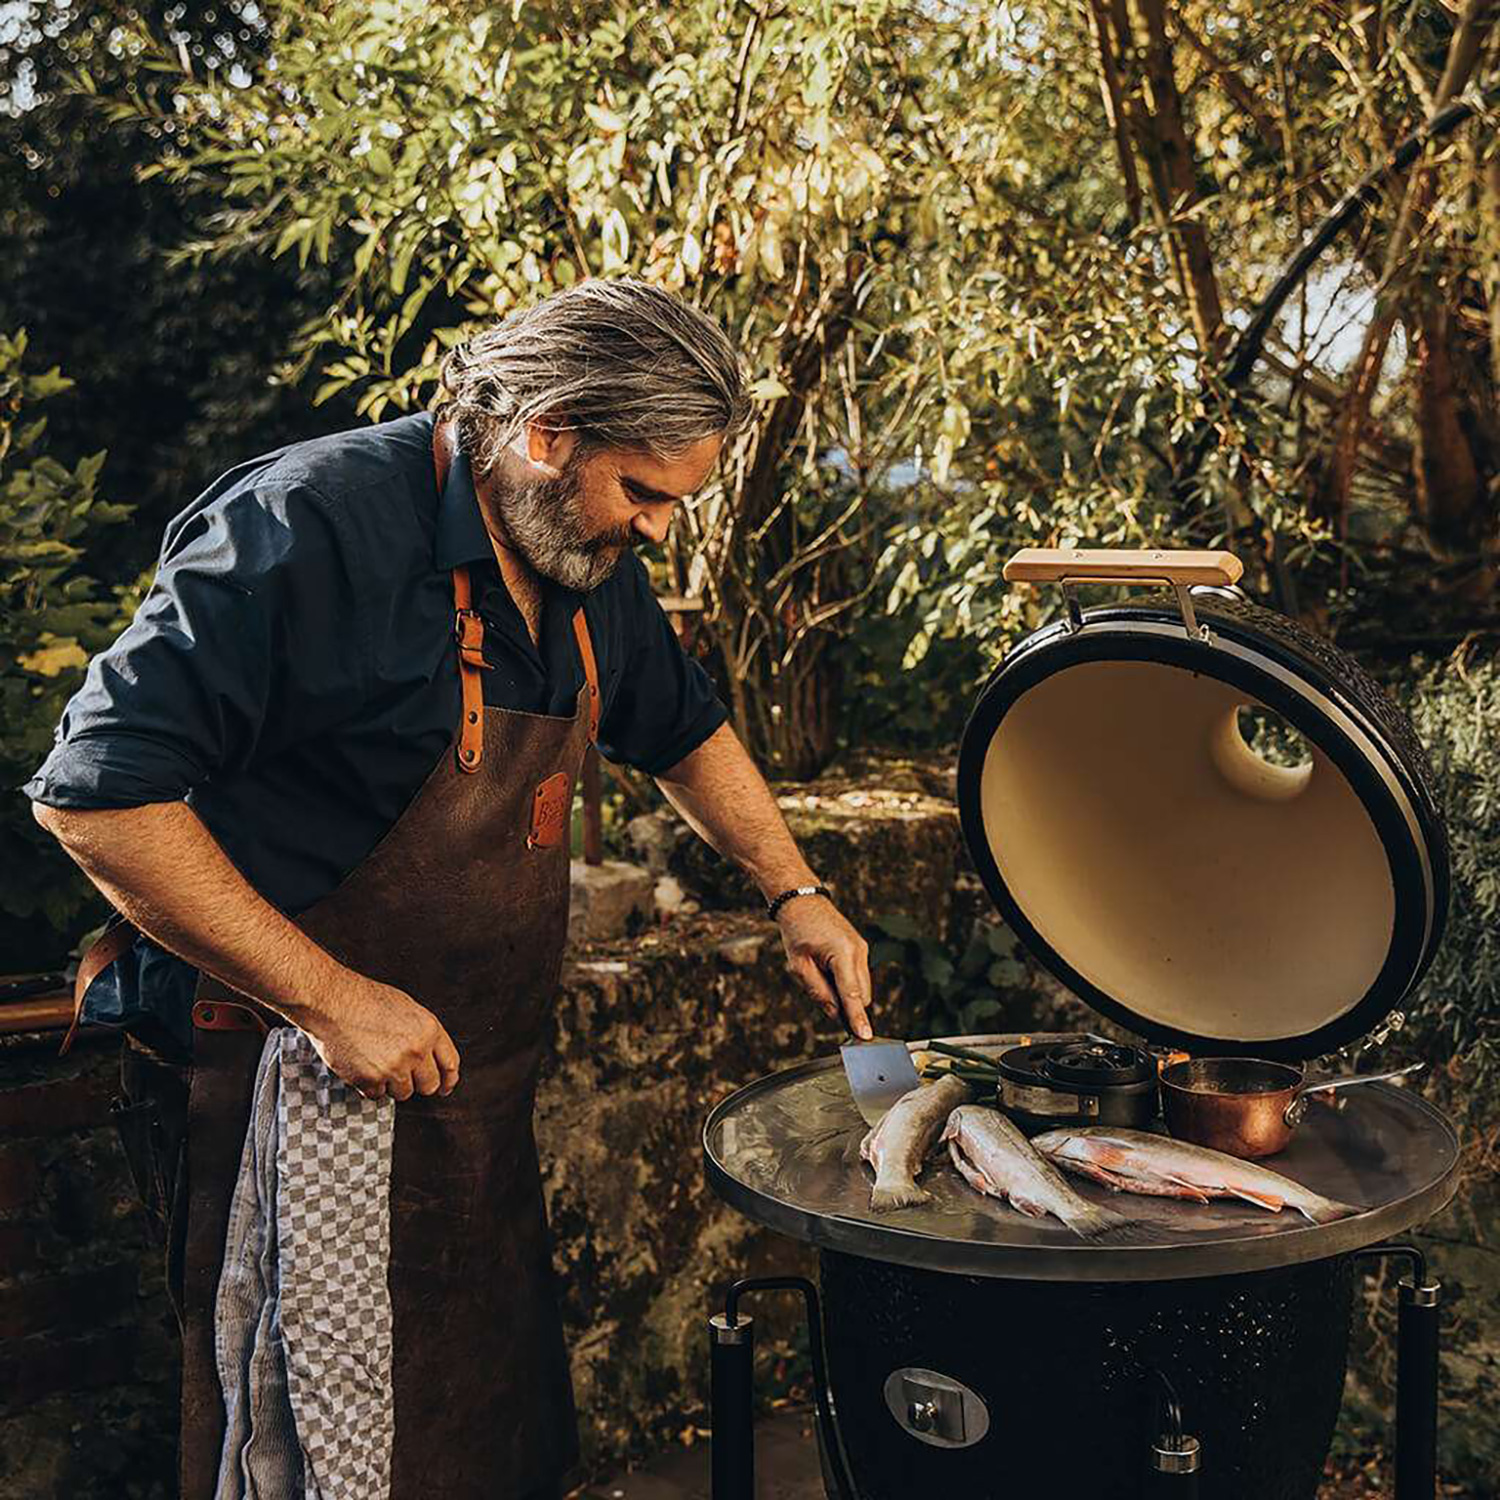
<point>463,905</point>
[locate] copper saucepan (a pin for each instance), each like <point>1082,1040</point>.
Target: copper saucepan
<point>1245,1106</point>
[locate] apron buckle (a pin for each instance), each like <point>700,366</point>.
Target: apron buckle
<point>226,1015</point>
<point>468,631</point>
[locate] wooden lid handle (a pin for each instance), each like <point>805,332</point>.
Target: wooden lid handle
<point>1121,565</point>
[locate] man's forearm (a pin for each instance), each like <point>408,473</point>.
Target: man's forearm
<point>164,871</point>
<point>725,800</point>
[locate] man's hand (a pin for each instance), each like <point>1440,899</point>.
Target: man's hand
<point>829,959</point>
<point>380,1041</point>
<point>161,868</point>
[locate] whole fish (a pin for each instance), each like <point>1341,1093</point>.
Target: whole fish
<point>1134,1161</point>
<point>993,1157</point>
<point>899,1145</point>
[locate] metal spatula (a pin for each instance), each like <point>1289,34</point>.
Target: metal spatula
<point>879,1071</point>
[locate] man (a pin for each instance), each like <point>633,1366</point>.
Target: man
<point>326,775</point>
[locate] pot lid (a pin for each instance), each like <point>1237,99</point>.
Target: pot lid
<point>1079,1064</point>
<point>1208,823</point>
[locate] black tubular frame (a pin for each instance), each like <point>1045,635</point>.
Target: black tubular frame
<point>732,1403</point>
<point>731,1356</point>
<point>1417,1370</point>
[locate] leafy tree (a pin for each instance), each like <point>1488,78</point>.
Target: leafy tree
<point>174,373</point>
<point>828,181</point>
<point>1006,246</point>
<point>53,617</point>
<point>175,369</point>
<point>1455,706</point>
<point>1204,141</point>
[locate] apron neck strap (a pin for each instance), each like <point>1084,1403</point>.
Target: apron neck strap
<point>468,631</point>
<point>468,628</point>
<point>590,670</point>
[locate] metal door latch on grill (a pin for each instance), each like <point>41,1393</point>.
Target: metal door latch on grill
<point>936,1409</point>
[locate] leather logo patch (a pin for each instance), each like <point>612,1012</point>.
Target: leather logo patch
<point>550,809</point>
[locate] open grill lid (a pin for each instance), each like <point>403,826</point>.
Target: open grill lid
<point>1155,863</point>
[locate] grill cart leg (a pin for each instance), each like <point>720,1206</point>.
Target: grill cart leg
<point>1416,1374</point>
<point>1172,1473</point>
<point>732,1354</point>
<point>1417,1388</point>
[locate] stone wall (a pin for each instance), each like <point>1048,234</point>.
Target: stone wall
<point>650,1032</point>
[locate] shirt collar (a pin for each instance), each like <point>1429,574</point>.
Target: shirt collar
<point>461,535</point>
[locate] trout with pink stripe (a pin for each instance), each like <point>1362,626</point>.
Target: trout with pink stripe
<point>995,1159</point>
<point>1133,1161</point>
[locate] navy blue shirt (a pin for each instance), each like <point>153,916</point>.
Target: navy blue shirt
<point>292,672</point>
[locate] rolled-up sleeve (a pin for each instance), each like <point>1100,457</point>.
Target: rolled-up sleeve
<point>241,644</point>
<point>664,705</point>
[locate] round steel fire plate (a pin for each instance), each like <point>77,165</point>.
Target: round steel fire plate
<point>785,1152</point>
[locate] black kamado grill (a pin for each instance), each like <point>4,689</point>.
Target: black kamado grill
<point>1206,896</point>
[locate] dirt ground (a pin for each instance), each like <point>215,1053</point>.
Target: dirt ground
<point>1370,1479</point>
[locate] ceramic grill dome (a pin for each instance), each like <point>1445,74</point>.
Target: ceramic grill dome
<point>1160,867</point>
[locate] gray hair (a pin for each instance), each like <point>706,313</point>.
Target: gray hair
<point>624,364</point>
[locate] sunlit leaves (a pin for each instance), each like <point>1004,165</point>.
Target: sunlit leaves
<point>912,219</point>
<point>52,615</point>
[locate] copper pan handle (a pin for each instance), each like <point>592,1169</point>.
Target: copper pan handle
<point>1298,1107</point>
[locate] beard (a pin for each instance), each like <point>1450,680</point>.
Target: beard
<point>544,521</point>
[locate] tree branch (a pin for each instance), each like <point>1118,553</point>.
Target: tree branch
<point>1114,110</point>
<point>825,334</point>
<point>1154,108</point>
<point>1239,91</point>
<point>1474,23</point>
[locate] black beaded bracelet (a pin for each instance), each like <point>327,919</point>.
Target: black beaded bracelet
<point>775,905</point>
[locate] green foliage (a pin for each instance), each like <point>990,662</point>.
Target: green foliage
<point>1076,372</point>
<point>175,369</point>
<point>53,616</point>
<point>1455,706</point>
<point>905,214</point>
<point>966,333</point>
<point>445,163</point>
<point>899,698</point>
<point>953,999</point>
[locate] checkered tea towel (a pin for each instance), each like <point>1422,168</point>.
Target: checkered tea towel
<point>303,1317</point>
